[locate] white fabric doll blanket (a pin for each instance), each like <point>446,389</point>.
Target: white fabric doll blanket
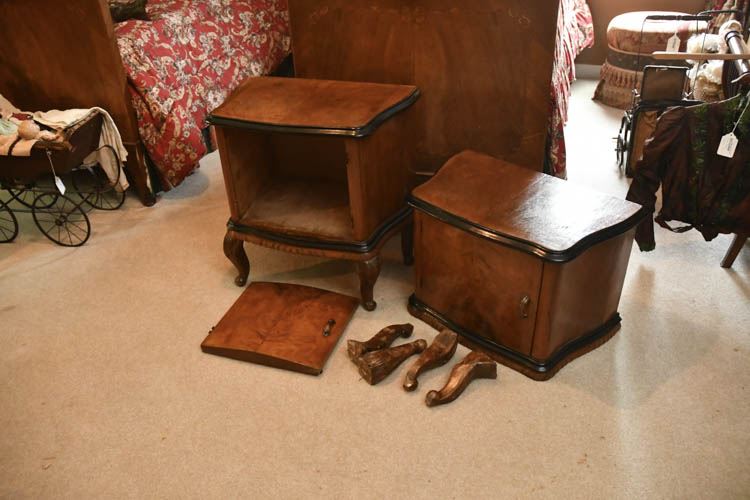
<point>110,136</point>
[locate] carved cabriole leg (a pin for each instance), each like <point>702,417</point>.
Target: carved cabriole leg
<point>235,252</point>
<point>377,365</point>
<point>474,365</point>
<point>368,274</point>
<point>407,243</point>
<point>380,340</point>
<point>440,352</point>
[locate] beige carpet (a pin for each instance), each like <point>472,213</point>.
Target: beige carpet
<point>104,391</point>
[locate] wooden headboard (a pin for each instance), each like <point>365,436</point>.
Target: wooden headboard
<point>484,66</point>
<point>63,54</point>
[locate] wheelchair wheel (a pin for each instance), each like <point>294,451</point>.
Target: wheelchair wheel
<point>96,190</point>
<point>61,220</point>
<point>623,139</point>
<point>8,224</point>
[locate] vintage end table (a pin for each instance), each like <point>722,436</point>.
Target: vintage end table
<point>317,167</point>
<point>522,265</point>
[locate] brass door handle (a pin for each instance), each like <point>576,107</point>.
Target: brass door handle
<point>524,306</point>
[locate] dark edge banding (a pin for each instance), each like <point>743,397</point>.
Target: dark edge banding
<point>530,247</point>
<point>352,247</point>
<point>361,131</point>
<point>532,364</point>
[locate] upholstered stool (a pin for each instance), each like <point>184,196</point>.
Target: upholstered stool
<point>629,51</point>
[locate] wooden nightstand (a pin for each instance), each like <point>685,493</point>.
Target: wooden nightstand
<point>524,266</point>
<point>317,167</point>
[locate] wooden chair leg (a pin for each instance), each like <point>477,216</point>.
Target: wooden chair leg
<point>734,250</point>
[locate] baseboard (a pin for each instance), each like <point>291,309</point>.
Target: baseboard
<point>588,71</point>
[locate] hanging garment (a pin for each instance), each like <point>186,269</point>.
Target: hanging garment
<point>707,191</point>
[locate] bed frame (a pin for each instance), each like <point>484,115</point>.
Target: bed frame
<point>63,54</point>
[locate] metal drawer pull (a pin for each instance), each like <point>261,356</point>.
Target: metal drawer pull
<point>525,301</point>
<point>328,327</point>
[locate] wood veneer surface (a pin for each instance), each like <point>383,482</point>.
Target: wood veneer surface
<point>281,325</point>
<point>306,208</point>
<point>484,67</point>
<point>297,102</point>
<point>58,55</point>
<point>522,204</point>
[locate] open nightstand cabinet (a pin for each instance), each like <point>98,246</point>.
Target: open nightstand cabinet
<point>524,266</point>
<point>317,167</point>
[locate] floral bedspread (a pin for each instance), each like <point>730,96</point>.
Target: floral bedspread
<point>190,55</point>
<point>184,61</point>
<point>575,32</point>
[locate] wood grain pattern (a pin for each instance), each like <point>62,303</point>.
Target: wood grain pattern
<point>526,310</point>
<point>377,365</point>
<point>440,351</point>
<point>282,325</point>
<point>470,59</point>
<point>384,338</point>
<point>581,295</point>
<point>60,55</point>
<point>521,204</point>
<point>338,196</point>
<point>234,251</point>
<point>299,102</point>
<point>475,365</point>
<point>378,172</point>
<point>477,283</point>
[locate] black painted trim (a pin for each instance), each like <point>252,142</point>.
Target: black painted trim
<point>530,247</point>
<point>342,246</point>
<point>362,131</point>
<point>535,365</point>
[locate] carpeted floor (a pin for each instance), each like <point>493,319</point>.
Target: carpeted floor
<point>104,391</point>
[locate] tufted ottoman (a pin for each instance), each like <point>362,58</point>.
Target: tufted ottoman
<point>620,73</point>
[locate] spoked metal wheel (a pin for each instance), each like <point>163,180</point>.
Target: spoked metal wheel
<point>623,138</point>
<point>95,188</point>
<point>61,220</point>
<point>25,196</point>
<point>8,224</point>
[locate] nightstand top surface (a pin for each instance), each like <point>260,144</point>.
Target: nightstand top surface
<point>538,213</point>
<point>298,105</point>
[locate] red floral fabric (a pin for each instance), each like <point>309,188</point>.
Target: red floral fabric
<point>184,61</point>
<point>575,32</point>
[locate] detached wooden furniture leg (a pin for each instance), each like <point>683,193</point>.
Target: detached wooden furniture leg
<point>440,352</point>
<point>474,365</point>
<point>734,250</point>
<point>377,365</point>
<point>368,271</point>
<point>235,252</point>
<point>380,340</point>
